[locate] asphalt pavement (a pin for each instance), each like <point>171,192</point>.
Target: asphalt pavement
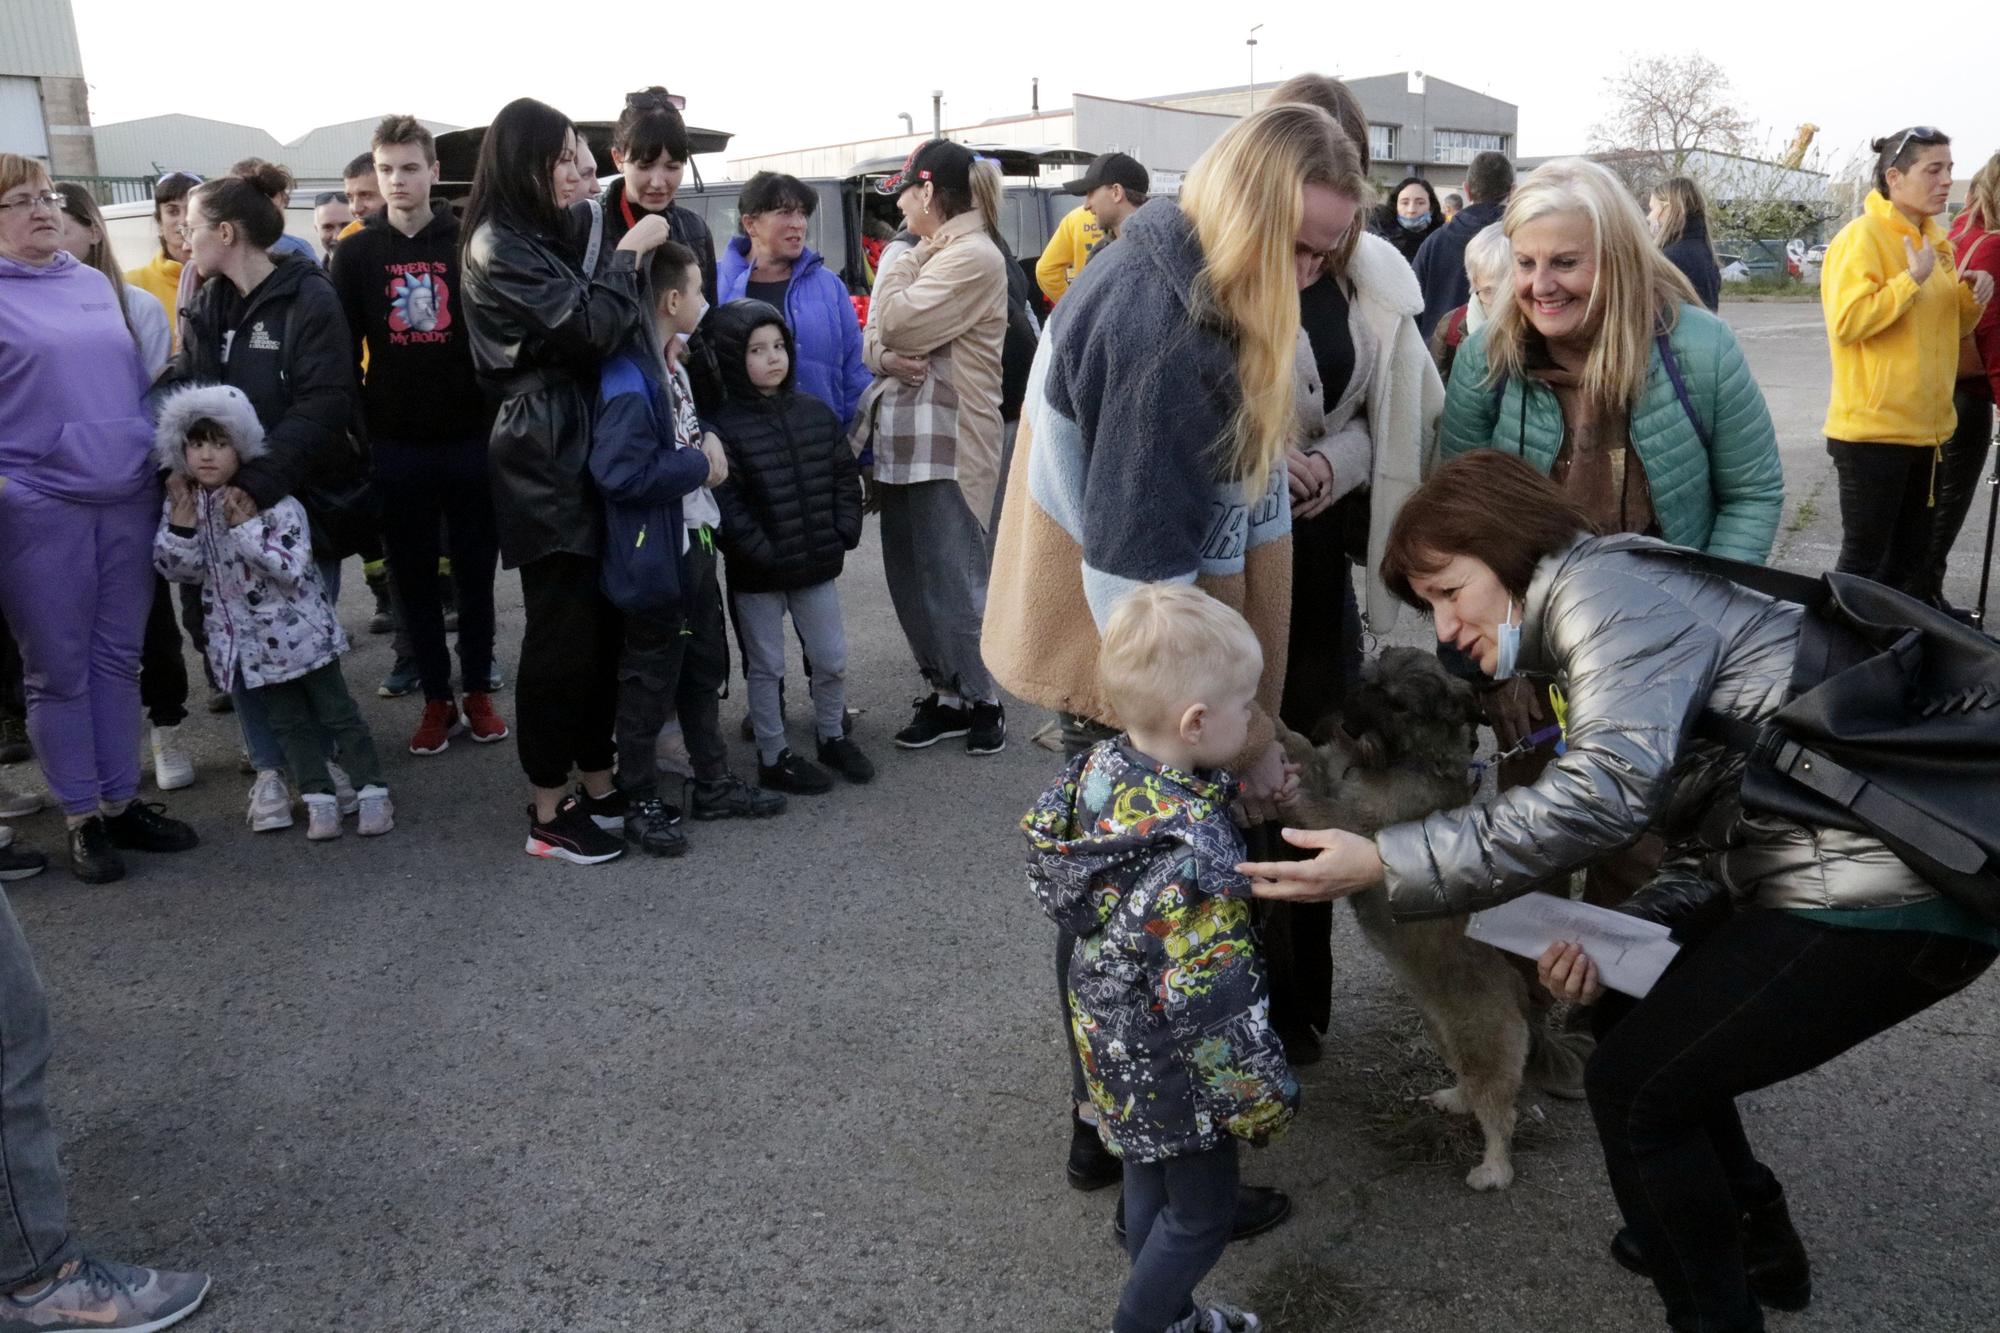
<point>809,1077</point>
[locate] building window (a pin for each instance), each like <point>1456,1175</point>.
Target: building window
<point>1381,142</point>
<point>1460,145</point>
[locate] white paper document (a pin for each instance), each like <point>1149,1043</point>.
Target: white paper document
<point>1629,953</point>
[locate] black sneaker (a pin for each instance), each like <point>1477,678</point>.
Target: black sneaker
<point>989,729</point>
<point>933,722</point>
<point>732,798</point>
<point>140,827</point>
<point>572,836</point>
<point>220,701</point>
<point>92,858</point>
<point>14,747</point>
<point>20,863</point>
<point>607,811</point>
<point>844,757</point>
<point>650,827</point>
<point>794,775</point>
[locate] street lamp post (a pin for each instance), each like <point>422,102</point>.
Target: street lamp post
<point>1252,44</point>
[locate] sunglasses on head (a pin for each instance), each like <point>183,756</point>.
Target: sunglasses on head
<point>1923,134</point>
<point>329,197</point>
<point>187,176</point>
<point>654,102</point>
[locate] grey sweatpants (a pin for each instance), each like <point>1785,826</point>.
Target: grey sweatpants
<point>934,559</point>
<point>760,628</point>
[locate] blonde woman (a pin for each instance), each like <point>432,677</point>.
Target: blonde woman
<point>1153,449</point>
<point>1679,217</point>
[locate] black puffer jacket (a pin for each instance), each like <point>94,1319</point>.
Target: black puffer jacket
<point>791,508</point>
<point>539,335</point>
<point>1693,255</point>
<point>1384,222</point>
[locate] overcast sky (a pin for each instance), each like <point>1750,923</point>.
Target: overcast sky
<point>796,75</point>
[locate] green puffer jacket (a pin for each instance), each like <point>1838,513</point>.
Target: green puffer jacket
<point>1724,499</point>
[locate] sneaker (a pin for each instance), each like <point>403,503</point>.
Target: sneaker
<point>495,682</point>
<point>433,734</point>
<point>322,816</point>
<point>794,775</point>
<point>141,827</point>
<point>18,862</point>
<point>607,811</point>
<point>92,858</point>
<point>14,747</point>
<point>1217,1317</point>
<point>172,768</point>
<point>19,804</point>
<point>344,795</point>
<point>650,827</point>
<point>933,722</point>
<point>989,729</point>
<point>270,802</point>
<point>730,797</point>
<point>220,701</point>
<point>481,721</point>
<point>844,757</point>
<point>572,836</point>
<point>378,812</point>
<point>99,1295</point>
<point>384,619</point>
<point>401,680</point>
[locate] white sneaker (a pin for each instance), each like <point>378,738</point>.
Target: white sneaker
<point>172,766</point>
<point>322,817</point>
<point>16,804</point>
<point>343,788</point>
<point>270,802</point>
<point>378,813</point>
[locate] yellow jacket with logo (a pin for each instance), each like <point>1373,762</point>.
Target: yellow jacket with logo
<point>1067,251</point>
<point>1894,343</point>
<point>162,277</point>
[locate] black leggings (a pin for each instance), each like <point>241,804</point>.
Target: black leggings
<point>1886,507</point>
<point>163,677</point>
<point>1770,995</point>
<point>566,691</point>
<point>1960,475</point>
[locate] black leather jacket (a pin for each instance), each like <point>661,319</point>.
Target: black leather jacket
<point>539,335</point>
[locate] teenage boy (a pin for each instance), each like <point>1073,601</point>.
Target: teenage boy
<point>398,280</point>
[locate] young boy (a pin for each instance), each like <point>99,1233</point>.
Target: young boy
<point>1135,854</point>
<point>654,467</point>
<point>791,511</point>
<point>269,621</point>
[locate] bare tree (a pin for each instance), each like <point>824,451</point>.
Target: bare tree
<point>1665,108</point>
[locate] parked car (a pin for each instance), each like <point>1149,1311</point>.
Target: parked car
<point>1734,269</point>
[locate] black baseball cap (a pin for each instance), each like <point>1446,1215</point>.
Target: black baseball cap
<point>1112,169</point>
<point>945,164</point>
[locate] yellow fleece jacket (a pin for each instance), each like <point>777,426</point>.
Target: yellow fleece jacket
<point>1067,252</point>
<point>162,277</point>
<point>1894,344</point>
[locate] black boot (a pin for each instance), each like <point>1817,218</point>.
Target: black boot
<point>1092,1166</point>
<point>92,858</point>
<point>1774,1258</point>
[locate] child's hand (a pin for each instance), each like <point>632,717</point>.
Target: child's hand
<point>238,507</point>
<point>1568,974</point>
<point>182,512</point>
<point>718,461</point>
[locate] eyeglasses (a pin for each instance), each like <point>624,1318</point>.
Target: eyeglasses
<point>48,199</point>
<point>1921,133</point>
<point>186,230</point>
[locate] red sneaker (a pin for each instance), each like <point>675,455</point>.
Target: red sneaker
<point>434,732</point>
<point>481,721</point>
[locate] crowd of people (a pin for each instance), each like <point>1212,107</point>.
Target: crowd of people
<point>1137,501</point>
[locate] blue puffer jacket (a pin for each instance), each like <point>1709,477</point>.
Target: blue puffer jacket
<point>644,457</point>
<point>1723,497</point>
<point>824,326</point>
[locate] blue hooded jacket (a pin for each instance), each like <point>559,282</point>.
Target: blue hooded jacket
<point>641,471</point>
<point>824,326</point>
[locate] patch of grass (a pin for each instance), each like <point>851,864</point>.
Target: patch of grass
<point>1807,512</point>
<point>1304,1297</point>
<point>1764,288</point>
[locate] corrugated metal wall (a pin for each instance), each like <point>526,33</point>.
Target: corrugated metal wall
<point>38,37</point>
<point>180,143</point>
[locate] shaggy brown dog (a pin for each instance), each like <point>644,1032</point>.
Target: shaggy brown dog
<point>1400,752</point>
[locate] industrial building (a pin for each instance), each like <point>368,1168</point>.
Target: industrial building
<point>152,145</point>
<point>44,102</point>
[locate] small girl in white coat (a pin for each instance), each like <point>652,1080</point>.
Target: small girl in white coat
<point>268,618</point>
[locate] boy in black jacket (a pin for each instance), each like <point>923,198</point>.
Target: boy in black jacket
<point>791,511</point>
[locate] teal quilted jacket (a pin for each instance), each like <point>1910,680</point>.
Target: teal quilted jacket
<point>1723,499</point>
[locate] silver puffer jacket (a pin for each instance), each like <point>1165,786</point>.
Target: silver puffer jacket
<point>1640,643</point>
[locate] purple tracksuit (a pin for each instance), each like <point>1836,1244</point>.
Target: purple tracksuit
<point>79,501</point>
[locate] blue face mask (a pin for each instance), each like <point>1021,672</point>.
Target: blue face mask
<point>1507,647</point>
<point>1417,223</point>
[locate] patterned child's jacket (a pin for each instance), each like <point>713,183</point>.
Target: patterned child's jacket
<point>1169,1006</point>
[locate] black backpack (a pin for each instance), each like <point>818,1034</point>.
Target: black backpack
<point>1891,727</point>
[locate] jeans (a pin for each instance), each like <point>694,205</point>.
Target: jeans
<point>419,484</point>
<point>675,665</point>
<point>566,690</point>
<point>260,740</point>
<point>34,1211</point>
<point>76,583</point>
<point>1178,1215</point>
<point>1770,995</point>
<point>305,714</point>
<point>934,560</point>
<point>1079,734</point>
<point>1885,511</point>
<point>1960,475</point>
<point>760,626</point>
<point>163,677</point>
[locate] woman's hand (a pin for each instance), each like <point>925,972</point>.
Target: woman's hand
<point>1568,974</point>
<point>1514,709</point>
<point>1981,283</point>
<point>1269,785</point>
<point>1347,863</point>
<point>718,461</point>
<point>238,507</point>
<point>647,234</point>
<point>1311,479</point>
<point>871,493</point>
<point>1921,261</point>
<point>911,370</point>
<point>182,511</point>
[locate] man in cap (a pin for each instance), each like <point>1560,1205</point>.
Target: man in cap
<point>1113,188</point>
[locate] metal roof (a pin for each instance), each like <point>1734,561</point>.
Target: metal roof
<point>152,144</point>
